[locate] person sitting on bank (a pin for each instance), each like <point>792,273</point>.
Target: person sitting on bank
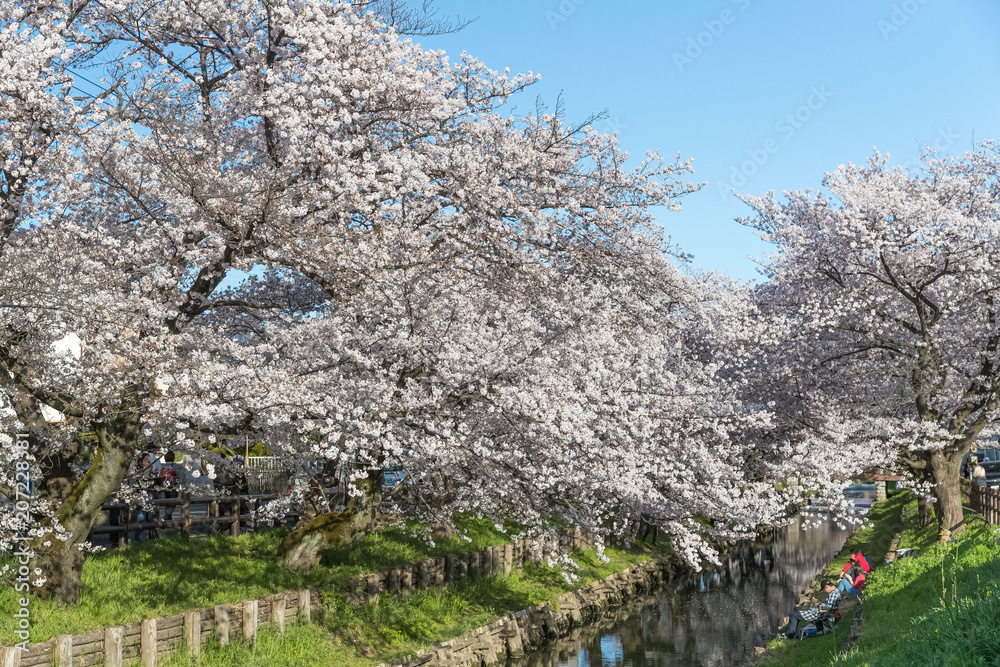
<point>852,581</point>
<point>857,559</point>
<point>814,613</point>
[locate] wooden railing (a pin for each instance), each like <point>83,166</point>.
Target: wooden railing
<point>239,509</point>
<point>985,501</point>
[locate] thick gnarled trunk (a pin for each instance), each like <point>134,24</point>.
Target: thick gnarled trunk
<point>948,506</point>
<point>61,562</point>
<point>304,547</point>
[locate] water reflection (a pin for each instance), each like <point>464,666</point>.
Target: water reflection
<point>715,619</point>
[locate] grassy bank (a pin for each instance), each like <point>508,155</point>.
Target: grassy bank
<point>939,609</point>
<point>872,539</point>
<point>169,576</point>
<point>360,636</point>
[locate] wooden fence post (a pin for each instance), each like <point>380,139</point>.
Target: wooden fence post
<point>64,650</point>
<point>123,519</point>
<point>222,624</point>
<point>213,514</point>
<point>10,657</point>
<point>250,621</point>
<point>114,639</point>
<point>438,575</point>
<point>147,642</point>
<point>392,581</point>
<point>486,561</point>
<point>192,633</point>
<point>475,564</point>
<point>405,579</point>
<point>235,526</point>
<point>305,605</point>
<point>449,569</point>
<point>186,515</point>
<point>278,611</point>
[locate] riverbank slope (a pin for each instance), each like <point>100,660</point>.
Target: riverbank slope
<point>938,609</point>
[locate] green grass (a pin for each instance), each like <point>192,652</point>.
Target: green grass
<point>358,636</point>
<point>937,609</point>
<point>170,575</point>
<point>872,539</point>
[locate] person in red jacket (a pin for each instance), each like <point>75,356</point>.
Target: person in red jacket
<point>857,559</point>
<point>852,581</point>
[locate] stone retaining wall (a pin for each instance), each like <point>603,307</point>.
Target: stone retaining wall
<point>525,630</point>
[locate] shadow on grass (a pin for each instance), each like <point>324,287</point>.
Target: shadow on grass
<point>939,608</point>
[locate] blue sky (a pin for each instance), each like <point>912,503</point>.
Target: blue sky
<point>800,86</point>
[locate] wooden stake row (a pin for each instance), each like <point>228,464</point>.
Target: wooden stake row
<point>151,643</point>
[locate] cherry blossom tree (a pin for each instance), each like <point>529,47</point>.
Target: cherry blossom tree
<point>883,286</point>
<point>283,218</point>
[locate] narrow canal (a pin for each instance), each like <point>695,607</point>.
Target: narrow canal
<point>712,620</point>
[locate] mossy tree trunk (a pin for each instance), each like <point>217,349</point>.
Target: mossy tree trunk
<point>61,562</point>
<point>304,547</point>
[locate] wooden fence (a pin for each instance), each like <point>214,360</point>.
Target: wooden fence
<point>221,512</point>
<point>985,501</point>
<point>155,639</point>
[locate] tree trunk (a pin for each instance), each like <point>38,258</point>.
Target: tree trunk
<point>925,511</point>
<point>304,548</point>
<point>948,506</point>
<point>62,562</point>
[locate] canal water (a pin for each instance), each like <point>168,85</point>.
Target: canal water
<point>714,619</point>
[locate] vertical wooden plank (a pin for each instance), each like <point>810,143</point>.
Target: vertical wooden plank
<point>392,583</point>
<point>305,605</point>
<point>475,564</point>
<point>222,624</point>
<point>278,611</point>
<point>123,518</point>
<point>147,642</point>
<point>405,580</point>
<point>486,561</point>
<point>235,525</point>
<point>420,575</point>
<point>438,574</point>
<point>156,520</point>
<point>508,558</point>
<point>10,656</point>
<point>213,514</point>
<point>373,588</point>
<point>114,638</point>
<point>449,569</point>
<point>64,650</point>
<point>186,515</point>
<point>192,633</point>
<point>250,621</point>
